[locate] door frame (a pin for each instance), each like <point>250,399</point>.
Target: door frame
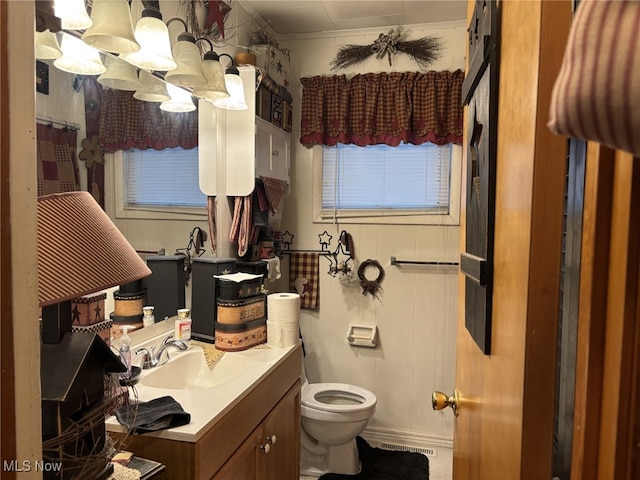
<point>19,328</point>
<point>606,418</point>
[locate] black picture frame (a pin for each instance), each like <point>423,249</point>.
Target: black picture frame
<point>42,77</point>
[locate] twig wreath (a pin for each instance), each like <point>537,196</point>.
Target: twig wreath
<point>423,51</point>
<point>372,287</point>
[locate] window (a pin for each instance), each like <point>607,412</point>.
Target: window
<point>162,181</point>
<point>415,184</point>
<point>162,178</point>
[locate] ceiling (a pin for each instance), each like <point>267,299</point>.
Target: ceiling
<point>299,16</point>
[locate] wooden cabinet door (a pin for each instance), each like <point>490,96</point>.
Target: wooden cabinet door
<point>280,155</point>
<point>242,465</point>
<point>272,151</point>
<point>279,448</point>
<point>263,151</point>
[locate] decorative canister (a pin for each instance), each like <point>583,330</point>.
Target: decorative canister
<point>238,285</point>
<point>241,310</point>
<point>88,309</point>
<point>128,304</point>
<point>242,336</point>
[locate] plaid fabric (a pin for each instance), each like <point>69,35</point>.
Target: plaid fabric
<point>382,108</point>
<point>57,164</point>
<point>304,278</point>
<point>274,188</point>
<point>131,123</point>
<point>596,93</point>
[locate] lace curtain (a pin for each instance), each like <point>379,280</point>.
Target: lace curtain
<point>382,108</point>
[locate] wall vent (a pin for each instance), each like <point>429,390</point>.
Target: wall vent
<point>429,452</point>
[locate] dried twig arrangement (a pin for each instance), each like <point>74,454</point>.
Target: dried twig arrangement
<point>79,467</point>
<point>423,51</point>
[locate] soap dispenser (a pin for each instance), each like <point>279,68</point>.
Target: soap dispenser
<point>125,350</point>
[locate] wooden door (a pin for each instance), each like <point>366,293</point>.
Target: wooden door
<point>504,427</point>
<point>281,432</point>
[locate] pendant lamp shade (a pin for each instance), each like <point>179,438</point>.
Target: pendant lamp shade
<point>155,47</point>
<point>119,75</point>
<point>72,14</point>
<point>189,71</point>
<point>47,47</point>
<point>215,87</point>
<point>78,57</point>
<point>236,100</point>
<point>180,100</point>
<point>152,90</point>
<point>112,29</point>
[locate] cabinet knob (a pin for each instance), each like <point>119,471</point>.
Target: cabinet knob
<point>275,153</point>
<point>272,439</point>
<point>266,448</point>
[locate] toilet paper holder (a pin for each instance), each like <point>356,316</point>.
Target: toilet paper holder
<point>362,335</point>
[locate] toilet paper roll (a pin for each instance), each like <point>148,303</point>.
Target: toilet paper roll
<point>282,335</point>
<point>283,308</point>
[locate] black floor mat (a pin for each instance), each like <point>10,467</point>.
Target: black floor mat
<point>379,464</point>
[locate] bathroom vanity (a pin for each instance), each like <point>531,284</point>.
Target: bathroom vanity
<point>245,428</point>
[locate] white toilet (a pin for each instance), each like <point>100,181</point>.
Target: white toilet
<point>333,415</point>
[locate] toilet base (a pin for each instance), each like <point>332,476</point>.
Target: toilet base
<point>342,459</point>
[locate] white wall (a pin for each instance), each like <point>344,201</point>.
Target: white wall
<point>416,316</point>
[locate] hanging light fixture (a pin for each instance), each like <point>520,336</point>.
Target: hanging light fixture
<point>72,14</point>
<point>119,75</point>
<point>189,71</point>
<point>235,87</point>
<point>215,87</point>
<point>112,29</point>
<point>47,47</point>
<point>155,47</point>
<point>153,89</point>
<point>78,57</point>
<point>180,100</point>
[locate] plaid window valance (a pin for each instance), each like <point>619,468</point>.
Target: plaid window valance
<point>382,108</point>
<point>126,122</point>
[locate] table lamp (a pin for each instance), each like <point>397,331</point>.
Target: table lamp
<point>80,251</point>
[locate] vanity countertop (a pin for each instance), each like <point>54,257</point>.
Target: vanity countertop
<point>208,405</point>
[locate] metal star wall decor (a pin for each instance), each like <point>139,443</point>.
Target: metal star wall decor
<point>423,51</point>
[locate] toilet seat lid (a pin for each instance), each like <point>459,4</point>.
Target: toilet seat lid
<point>337,397</point>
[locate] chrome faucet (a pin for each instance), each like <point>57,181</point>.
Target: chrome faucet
<point>151,359</point>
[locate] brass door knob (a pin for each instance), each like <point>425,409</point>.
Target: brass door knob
<point>440,401</point>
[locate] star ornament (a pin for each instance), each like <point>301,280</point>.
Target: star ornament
<point>325,239</point>
<point>92,154</point>
<point>217,10</point>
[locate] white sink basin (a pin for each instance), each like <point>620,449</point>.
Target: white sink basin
<point>189,371</point>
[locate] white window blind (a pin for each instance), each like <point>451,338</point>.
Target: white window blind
<point>383,180</point>
<point>162,178</point>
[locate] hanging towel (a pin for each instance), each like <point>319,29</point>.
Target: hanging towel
<point>273,269</point>
<point>157,414</point>
<point>304,278</point>
<point>212,203</point>
<point>274,188</point>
